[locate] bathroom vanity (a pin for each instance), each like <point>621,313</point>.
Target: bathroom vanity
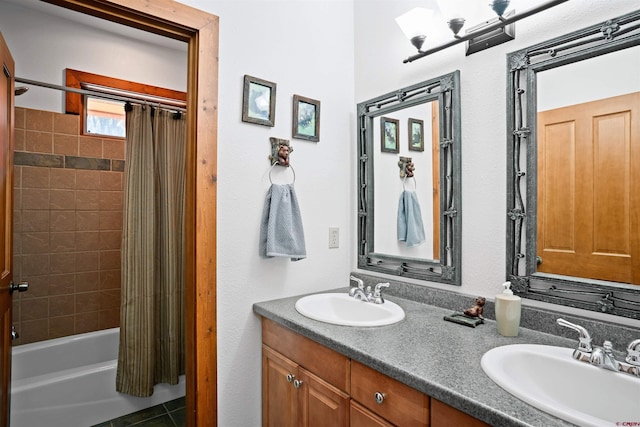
<point>306,383</point>
<point>421,371</point>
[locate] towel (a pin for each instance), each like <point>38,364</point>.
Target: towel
<point>410,227</point>
<point>281,232</point>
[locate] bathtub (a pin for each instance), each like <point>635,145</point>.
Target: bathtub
<point>70,381</point>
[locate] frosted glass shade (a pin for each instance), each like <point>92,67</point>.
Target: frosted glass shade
<point>454,9</point>
<point>415,22</point>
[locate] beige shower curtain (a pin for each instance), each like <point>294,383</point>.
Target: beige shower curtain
<point>152,304</point>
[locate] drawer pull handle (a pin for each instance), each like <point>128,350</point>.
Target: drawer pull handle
<point>379,397</point>
<point>297,383</point>
<point>290,377</point>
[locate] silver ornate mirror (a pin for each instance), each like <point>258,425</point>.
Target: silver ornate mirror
<point>573,226</point>
<point>421,123</point>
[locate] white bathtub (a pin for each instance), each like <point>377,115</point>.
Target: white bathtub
<point>70,381</point>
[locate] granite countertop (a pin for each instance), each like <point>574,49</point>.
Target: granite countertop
<point>439,358</point>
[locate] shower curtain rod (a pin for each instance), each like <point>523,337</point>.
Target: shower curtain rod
<point>137,100</point>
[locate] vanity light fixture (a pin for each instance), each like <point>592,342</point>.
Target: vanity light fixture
<point>483,36</point>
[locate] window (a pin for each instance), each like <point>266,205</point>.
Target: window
<point>105,117</point>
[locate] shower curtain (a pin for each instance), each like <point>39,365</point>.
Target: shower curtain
<point>152,303</point>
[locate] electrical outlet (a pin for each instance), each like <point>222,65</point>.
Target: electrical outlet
<point>334,237</point>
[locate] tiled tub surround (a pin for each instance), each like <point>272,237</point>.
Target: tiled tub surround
<point>439,358</point>
<point>68,192</point>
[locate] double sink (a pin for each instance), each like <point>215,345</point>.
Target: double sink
<point>546,377</point>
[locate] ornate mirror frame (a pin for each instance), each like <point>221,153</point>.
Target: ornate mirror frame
<point>595,295</point>
<point>445,90</point>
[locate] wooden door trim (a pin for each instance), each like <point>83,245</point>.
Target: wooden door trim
<point>435,176</point>
<point>7,68</point>
<point>201,31</point>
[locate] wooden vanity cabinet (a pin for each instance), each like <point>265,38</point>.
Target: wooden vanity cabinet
<point>303,382</point>
<point>307,384</point>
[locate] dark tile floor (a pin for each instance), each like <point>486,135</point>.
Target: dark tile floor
<point>168,414</point>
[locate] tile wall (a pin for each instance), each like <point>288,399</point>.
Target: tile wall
<point>68,193</point>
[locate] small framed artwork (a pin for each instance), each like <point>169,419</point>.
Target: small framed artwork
<point>306,118</point>
<point>259,101</point>
<point>416,135</point>
<point>389,135</point>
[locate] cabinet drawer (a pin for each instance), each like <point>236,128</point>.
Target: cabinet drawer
<point>402,405</point>
<point>329,365</point>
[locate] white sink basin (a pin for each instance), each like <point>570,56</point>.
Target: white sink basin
<point>550,379</point>
<point>341,309</point>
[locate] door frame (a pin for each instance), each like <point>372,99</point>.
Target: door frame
<point>201,31</point>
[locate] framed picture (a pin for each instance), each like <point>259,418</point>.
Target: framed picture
<point>306,118</point>
<point>259,101</point>
<point>389,135</point>
<point>416,135</point>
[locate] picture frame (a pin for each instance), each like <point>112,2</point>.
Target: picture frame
<point>389,135</point>
<point>259,101</point>
<point>416,135</point>
<point>306,118</point>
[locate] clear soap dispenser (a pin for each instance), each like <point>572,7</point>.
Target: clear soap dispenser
<point>508,307</point>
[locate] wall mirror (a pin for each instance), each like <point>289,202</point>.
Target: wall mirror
<point>573,223</point>
<point>420,122</point>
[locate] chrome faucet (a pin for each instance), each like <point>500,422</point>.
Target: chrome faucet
<point>365,294</point>
<point>604,357</point>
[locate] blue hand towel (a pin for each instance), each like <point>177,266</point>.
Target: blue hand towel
<point>281,232</point>
<point>410,226</point>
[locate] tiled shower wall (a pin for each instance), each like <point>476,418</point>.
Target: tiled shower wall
<point>67,227</point>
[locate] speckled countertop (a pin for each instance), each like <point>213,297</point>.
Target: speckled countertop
<point>439,358</point>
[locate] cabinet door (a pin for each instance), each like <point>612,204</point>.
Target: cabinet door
<point>321,404</point>
<point>443,415</point>
<point>279,405</point>
<point>362,417</point>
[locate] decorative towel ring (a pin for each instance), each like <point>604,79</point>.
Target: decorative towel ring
<point>415,183</point>
<point>288,167</point>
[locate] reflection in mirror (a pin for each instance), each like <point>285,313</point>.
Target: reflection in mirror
<point>416,121</point>
<point>573,220</point>
<point>421,122</point>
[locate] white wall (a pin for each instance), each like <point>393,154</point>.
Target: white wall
<point>582,81</point>
<point>306,48</point>
<point>380,49</point>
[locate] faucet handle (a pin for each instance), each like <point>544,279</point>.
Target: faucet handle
<point>379,286</point>
<point>360,283</point>
<point>633,353</point>
<point>584,337</point>
<point>377,293</point>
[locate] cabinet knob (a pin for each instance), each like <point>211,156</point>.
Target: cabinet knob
<point>290,377</point>
<point>297,383</point>
<point>379,397</point>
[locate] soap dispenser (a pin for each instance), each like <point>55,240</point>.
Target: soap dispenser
<point>508,308</point>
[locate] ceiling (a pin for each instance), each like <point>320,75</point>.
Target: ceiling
<point>97,23</point>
